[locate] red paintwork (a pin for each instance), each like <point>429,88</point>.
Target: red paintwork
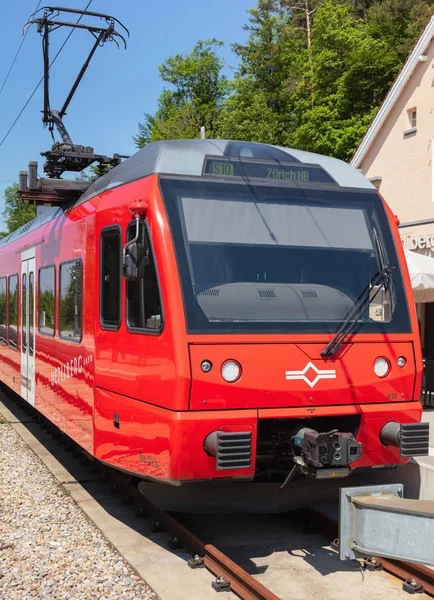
<point>166,404</point>
<point>263,383</point>
<point>175,439</point>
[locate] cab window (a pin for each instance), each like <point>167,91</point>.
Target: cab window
<point>110,278</point>
<point>143,295</point>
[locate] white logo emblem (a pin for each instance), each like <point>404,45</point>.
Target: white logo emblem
<point>319,374</point>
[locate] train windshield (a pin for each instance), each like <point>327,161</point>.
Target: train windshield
<point>265,258</point>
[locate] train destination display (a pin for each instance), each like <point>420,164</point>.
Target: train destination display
<point>270,171</point>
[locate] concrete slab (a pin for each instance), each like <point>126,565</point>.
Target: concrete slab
<point>292,562</point>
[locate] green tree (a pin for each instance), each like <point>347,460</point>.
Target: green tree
<point>197,88</point>
<point>311,76</point>
<point>352,73</point>
<point>272,63</point>
<point>17,212</point>
<point>398,23</point>
<point>247,115</point>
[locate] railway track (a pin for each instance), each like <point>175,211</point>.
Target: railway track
<point>229,575</point>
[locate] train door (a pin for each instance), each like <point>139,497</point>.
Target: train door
<point>28,325</point>
<point>133,357</point>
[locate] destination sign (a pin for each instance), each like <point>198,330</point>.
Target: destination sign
<point>296,173</point>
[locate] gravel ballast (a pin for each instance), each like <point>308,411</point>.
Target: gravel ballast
<point>48,547</point>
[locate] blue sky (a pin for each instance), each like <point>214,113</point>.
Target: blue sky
<point>119,85</point>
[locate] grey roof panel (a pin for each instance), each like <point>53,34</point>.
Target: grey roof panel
<point>180,157</point>
<point>43,217</point>
<point>342,172</point>
<point>186,157</point>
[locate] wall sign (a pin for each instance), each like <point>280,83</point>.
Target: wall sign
<point>420,242</point>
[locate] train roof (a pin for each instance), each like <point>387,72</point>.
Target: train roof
<point>186,157</point>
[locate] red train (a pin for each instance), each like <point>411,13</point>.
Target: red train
<point>213,310</point>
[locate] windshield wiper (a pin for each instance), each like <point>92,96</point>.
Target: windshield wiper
<point>365,298</point>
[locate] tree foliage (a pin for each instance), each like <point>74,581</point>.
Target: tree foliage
<point>193,100</point>
<point>17,212</point>
<point>311,75</point>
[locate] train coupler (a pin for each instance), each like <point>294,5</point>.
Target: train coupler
<point>323,455</point>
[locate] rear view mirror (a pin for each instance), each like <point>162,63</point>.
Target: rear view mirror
<point>130,261</point>
<point>134,261</point>
<point>135,256</point>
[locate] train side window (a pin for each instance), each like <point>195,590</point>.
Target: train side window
<point>3,311</point>
<point>13,312</point>
<point>46,300</point>
<point>143,294</point>
<point>110,278</point>
<point>71,296</point>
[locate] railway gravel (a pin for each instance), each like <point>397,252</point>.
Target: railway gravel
<point>48,547</point>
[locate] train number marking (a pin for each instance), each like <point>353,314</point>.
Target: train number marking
<point>147,459</point>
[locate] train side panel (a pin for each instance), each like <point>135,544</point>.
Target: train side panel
<point>63,368</point>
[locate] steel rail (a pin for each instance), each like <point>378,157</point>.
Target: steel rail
<point>242,583</point>
<point>408,571</point>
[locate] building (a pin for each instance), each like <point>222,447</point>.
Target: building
<point>397,155</point>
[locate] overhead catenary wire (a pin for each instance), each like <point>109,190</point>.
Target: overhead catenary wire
<point>17,53</point>
<point>41,80</point>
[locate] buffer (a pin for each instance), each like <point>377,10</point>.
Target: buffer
<point>378,521</point>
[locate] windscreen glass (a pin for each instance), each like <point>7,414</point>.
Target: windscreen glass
<point>257,258</point>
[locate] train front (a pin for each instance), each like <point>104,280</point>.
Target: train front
<point>302,331</point>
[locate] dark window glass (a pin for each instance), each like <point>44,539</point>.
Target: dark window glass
<point>110,278</point>
<point>262,258</point>
<point>143,295</point>
<point>31,310</point>
<point>71,286</point>
<point>3,311</point>
<point>13,312</point>
<point>24,315</point>
<point>46,300</point>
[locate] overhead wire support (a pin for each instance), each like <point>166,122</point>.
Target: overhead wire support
<point>48,23</point>
<point>42,78</point>
<point>65,155</point>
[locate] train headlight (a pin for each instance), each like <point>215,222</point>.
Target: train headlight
<point>231,371</point>
<point>381,367</point>
<point>401,361</point>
